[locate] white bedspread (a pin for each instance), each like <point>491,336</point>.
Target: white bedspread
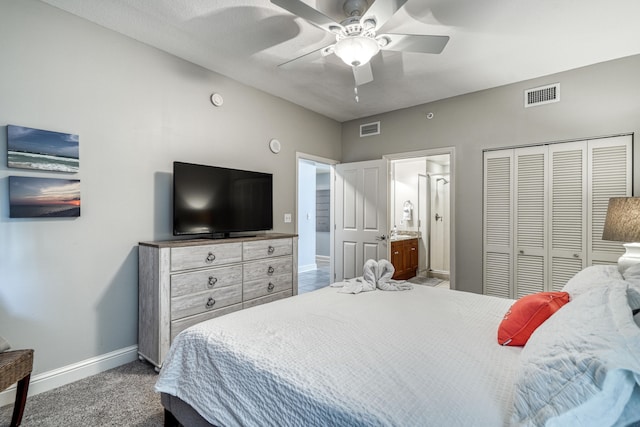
<point>425,357</point>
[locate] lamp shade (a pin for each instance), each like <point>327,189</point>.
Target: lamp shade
<point>356,50</point>
<point>622,223</point>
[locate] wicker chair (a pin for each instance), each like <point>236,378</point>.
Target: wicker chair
<point>16,366</point>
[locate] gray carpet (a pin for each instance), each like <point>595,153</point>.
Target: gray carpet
<point>425,281</point>
<point>122,396</point>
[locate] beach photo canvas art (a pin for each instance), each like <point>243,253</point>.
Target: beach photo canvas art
<point>31,197</point>
<point>29,148</point>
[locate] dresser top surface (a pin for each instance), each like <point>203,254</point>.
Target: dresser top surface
<point>209,241</point>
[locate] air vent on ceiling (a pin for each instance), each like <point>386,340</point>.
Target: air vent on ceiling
<point>542,95</point>
<point>369,129</point>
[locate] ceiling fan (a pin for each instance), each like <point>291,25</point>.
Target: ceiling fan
<point>357,38</point>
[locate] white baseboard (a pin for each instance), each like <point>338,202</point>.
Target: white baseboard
<point>322,259</point>
<point>308,267</point>
<point>67,374</point>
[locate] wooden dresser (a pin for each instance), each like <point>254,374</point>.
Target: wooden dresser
<point>184,282</point>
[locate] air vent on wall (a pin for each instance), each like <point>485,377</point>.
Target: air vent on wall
<point>542,95</point>
<point>369,129</point>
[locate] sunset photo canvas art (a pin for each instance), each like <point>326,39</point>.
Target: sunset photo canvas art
<point>31,197</point>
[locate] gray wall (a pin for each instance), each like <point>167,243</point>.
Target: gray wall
<point>599,100</point>
<point>68,287</point>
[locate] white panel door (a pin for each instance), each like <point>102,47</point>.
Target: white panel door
<point>567,212</point>
<point>497,275</point>
<point>361,216</point>
<point>610,164</point>
<point>530,220</point>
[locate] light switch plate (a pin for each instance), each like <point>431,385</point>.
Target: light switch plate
<point>287,217</point>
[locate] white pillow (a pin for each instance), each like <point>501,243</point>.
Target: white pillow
<point>633,293</point>
<point>592,277</point>
<point>4,345</point>
<point>582,366</point>
<point>632,276</point>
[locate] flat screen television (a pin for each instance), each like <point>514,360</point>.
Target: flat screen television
<point>217,201</point>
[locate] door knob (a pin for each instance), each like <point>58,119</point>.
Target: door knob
<point>381,237</point>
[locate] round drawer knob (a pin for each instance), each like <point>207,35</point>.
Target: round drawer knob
<point>211,302</point>
<point>271,249</point>
<point>210,258</point>
<point>212,281</point>
<point>270,270</point>
<point>270,287</point>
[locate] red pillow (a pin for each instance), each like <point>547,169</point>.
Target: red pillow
<point>526,314</point>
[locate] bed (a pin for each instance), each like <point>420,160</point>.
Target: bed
<point>422,357</point>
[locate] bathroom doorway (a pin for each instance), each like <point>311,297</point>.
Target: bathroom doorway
<point>420,206</point>
<point>313,220</point>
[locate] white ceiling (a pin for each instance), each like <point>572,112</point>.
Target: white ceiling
<point>492,43</point>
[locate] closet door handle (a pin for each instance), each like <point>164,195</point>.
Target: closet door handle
<point>521,252</point>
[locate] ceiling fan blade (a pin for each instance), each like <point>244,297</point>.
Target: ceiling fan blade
<point>415,43</point>
<point>306,12</point>
<point>310,56</point>
<point>382,10</point>
<point>363,74</point>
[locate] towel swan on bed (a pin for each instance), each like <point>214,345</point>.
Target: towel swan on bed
<point>375,274</point>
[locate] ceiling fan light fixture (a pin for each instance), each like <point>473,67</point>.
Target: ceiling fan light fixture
<point>356,50</point>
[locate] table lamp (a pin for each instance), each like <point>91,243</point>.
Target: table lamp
<point>622,224</point>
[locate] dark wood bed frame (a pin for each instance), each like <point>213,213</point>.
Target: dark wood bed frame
<point>178,413</point>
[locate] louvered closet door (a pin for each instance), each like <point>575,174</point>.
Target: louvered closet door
<point>498,224</point>
<point>568,212</point>
<point>610,176</point>
<point>530,225</point>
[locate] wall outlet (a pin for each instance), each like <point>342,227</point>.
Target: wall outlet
<point>287,217</point>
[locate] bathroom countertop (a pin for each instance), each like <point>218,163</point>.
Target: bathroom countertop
<point>401,237</point>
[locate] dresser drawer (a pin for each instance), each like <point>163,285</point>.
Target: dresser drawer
<point>204,280</point>
<point>185,258</point>
<point>267,268</point>
<point>266,299</point>
<point>202,302</point>
<point>261,287</point>
<point>178,326</point>
<point>267,248</point>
